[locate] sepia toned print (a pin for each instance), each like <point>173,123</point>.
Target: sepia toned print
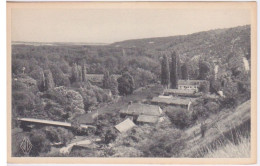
<point>132,82</point>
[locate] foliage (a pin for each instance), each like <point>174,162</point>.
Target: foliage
<point>204,68</point>
<point>25,101</point>
<point>180,117</point>
<point>142,77</point>
<point>125,84</point>
<point>106,80</point>
<point>113,85</point>
<point>204,87</point>
<point>84,72</point>
<point>63,103</point>
<point>165,73</point>
<point>184,71</point>
<point>59,78</point>
<point>40,143</point>
<point>48,82</point>
<point>203,107</point>
<point>58,134</point>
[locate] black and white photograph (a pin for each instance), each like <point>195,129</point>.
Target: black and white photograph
<point>132,80</point>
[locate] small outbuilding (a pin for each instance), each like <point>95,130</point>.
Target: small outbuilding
<point>181,92</point>
<point>173,101</point>
<point>124,126</point>
<point>191,84</point>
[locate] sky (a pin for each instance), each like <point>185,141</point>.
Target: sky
<point>110,25</point>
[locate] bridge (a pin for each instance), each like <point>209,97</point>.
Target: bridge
<point>52,123</point>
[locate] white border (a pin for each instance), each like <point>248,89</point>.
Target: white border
<point>3,122</point>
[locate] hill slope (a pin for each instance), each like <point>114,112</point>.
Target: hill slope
<point>221,127</point>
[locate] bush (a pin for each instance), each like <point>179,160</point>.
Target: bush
<point>165,145</point>
<point>203,107</point>
<point>40,143</point>
<point>204,87</point>
<point>179,117</point>
<point>63,103</point>
<point>125,84</point>
<point>58,134</point>
<point>213,107</point>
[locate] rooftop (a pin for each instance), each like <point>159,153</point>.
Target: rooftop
<point>142,109</point>
<point>172,100</point>
<point>180,91</point>
<point>190,82</point>
<point>125,125</point>
<point>147,119</point>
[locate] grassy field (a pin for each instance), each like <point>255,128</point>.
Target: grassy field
<point>231,150</point>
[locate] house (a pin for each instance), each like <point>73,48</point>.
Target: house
<point>147,119</point>
<point>124,126</point>
<point>137,109</point>
<point>190,84</point>
<point>173,101</point>
<point>180,92</point>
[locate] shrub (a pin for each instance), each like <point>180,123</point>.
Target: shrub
<point>125,84</point>
<point>168,144</point>
<point>179,117</point>
<point>40,143</point>
<point>213,107</point>
<point>63,103</point>
<point>204,87</point>
<point>58,134</point>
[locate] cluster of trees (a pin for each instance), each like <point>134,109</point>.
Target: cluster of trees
<point>110,82</point>
<point>41,140</point>
<point>171,75</point>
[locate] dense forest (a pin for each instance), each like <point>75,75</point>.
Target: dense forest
<point>49,81</point>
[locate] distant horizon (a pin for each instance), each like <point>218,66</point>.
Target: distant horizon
<point>96,43</point>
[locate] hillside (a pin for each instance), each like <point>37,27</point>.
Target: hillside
<point>51,82</point>
<point>222,127</point>
<point>211,43</point>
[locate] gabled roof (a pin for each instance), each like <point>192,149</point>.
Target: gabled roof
<point>125,125</point>
<point>142,109</point>
<point>190,82</point>
<point>147,119</point>
<point>172,100</point>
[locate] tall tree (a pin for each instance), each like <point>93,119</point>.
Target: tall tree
<point>165,74</point>
<point>113,85</point>
<point>174,71</point>
<point>79,74</point>
<point>126,84</point>
<point>178,65</point>
<point>184,71</point>
<point>84,72</point>
<point>48,81</point>
<point>106,80</point>
<point>74,73</point>
<point>204,69</point>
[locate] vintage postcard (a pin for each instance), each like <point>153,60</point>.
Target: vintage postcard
<point>132,82</point>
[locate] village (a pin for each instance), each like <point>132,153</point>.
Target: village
<point>124,101</point>
<point>148,111</point>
